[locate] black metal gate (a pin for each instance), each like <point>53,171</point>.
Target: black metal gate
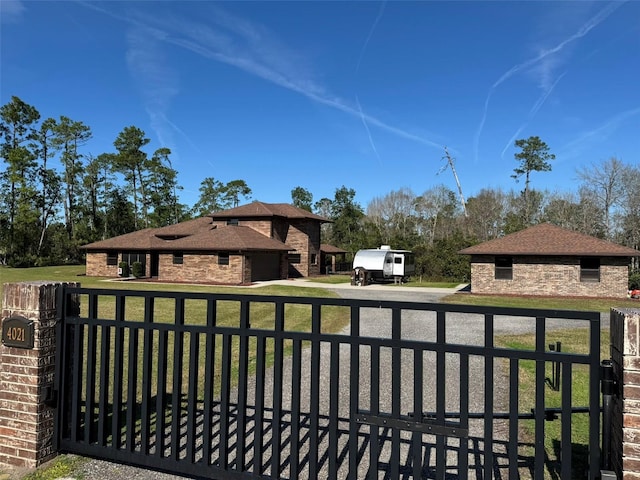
<point>247,386</point>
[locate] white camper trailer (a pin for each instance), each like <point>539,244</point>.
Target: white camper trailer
<point>385,264</point>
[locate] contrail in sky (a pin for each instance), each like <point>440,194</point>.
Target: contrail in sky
<point>532,113</point>
<point>218,46</point>
<point>586,28</point>
<point>373,27</point>
<point>366,127</point>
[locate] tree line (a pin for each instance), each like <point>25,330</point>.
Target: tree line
<point>436,224</point>
<point>47,213</point>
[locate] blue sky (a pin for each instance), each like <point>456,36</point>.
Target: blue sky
<point>325,94</point>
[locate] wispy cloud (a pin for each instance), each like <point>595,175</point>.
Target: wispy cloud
<point>599,134</point>
<point>11,11</point>
<point>545,62</point>
<point>157,82</point>
<point>253,49</point>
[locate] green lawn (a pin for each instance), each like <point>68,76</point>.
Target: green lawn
<point>573,303</point>
<point>573,341</point>
<point>75,273</point>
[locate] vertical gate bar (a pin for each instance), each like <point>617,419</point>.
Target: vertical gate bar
<point>463,452</point>
<point>89,413</point>
<point>192,401</point>
<point>76,382</point>
<point>594,397</point>
<point>132,393</point>
<point>441,385</point>
<point>161,393</point>
<point>374,395</point>
<point>418,408</point>
<point>176,393</point>
<point>334,409</point>
<point>296,376</point>
<point>105,379</point>
<point>514,401</point>
<point>258,435</point>
<point>147,372</point>
<point>210,359</point>
<point>314,431</point>
<point>60,377</point>
<point>396,367</point>
<point>565,442</point>
<point>276,421</point>
<point>118,377</point>
<point>540,406</point>
<point>354,391</point>
<point>225,402</point>
<point>243,380</point>
<point>488,395</point>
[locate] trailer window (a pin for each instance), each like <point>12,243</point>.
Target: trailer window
<point>398,260</point>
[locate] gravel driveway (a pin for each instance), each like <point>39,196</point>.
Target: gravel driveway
<point>461,329</point>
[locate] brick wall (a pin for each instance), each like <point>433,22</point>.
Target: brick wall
<point>203,267</point>
<point>97,265</point>
<point>557,276</point>
<point>625,357</point>
<point>304,236</point>
<point>26,421</point>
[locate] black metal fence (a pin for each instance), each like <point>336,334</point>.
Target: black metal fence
<point>246,386</point>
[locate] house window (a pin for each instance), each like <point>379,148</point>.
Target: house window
<point>504,268</point>
<point>112,258</point>
<point>233,221</point>
<point>589,269</point>
<point>178,258</point>
<point>223,259</point>
<point>294,258</point>
<point>314,259</point>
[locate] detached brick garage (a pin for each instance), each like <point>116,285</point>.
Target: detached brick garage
<point>549,260</point>
<point>258,241</point>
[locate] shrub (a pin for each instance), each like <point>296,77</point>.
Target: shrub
<point>137,270</point>
<point>634,280</point>
<point>124,269</point>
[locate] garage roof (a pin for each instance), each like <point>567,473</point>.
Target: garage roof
<point>546,239</point>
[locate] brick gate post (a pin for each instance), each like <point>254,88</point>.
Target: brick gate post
<point>27,368</point>
<point>625,357</point>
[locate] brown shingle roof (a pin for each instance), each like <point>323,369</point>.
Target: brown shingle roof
<point>194,235</point>
<point>548,239</point>
<point>326,248</point>
<point>234,238</point>
<point>261,209</point>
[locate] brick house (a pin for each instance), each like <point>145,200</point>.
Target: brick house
<point>549,260</point>
<point>253,242</point>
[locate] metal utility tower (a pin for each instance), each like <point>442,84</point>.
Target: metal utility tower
<point>455,175</point>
